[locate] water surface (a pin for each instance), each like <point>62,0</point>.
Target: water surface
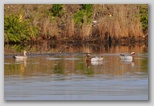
<point>67,76</point>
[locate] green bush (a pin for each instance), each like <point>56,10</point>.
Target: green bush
<point>86,10</point>
<point>57,10</point>
<point>78,17</point>
<point>144,16</point>
<point>18,31</point>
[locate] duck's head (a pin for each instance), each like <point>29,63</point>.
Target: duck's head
<point>25,52</point>
<point>133,53</point>
<point>102,57</point>
<point>88,55</point>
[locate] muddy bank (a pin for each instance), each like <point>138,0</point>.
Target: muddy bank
<point>77,40</point>
<point>74,47</point>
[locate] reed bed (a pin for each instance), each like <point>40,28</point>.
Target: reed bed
<point>113,20</point>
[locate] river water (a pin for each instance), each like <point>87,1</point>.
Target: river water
<point>65,75</point>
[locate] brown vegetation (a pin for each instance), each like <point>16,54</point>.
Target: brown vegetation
<point>116,23</point>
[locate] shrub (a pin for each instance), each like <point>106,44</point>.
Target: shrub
<point>144,16</point>
<point>85,11</point>
<point>17,30</point>
<point>57,10</point>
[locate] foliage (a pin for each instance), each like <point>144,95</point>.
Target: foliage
<point>16,30</point>
<point>57,10</point>
<point>144,16</point>
<point>88,9</point>
<point>78,17</point>
<point>24,23</point>
<point>85,11</point>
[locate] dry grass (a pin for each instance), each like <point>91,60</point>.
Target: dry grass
<point>119,20</point>
<point>124,22</point>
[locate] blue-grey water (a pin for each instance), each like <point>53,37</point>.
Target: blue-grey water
<point>67,76</point>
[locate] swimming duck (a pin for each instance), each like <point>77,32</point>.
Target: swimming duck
<point>127,57</point>
<point>94,59</point>
<point>24,56</point>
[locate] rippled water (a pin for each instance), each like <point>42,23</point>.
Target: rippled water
<point>67,76</point>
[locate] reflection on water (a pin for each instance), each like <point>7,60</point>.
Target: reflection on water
<point>67,76</point>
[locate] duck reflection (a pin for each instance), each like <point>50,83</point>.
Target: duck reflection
<point>23,64</point>
<point>125,61</point>
<point>132,63</point>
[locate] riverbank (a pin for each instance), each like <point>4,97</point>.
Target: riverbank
<point>62,48</point>
<point>75,23</point>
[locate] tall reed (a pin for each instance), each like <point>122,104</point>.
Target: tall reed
<point>123,22</point>
<point>75,20</point>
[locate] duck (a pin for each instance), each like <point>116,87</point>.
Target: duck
<point>94,59</point>
<point>24,56</point>
<point>127,57</point>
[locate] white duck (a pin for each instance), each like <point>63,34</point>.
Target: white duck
<point>127,57</point>
<point>24,56</point>
<point>94,60</point>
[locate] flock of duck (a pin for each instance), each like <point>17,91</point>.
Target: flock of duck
<point>89,58</point>
<point>128,57</point>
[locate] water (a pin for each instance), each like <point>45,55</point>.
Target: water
<point>67,76</point>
